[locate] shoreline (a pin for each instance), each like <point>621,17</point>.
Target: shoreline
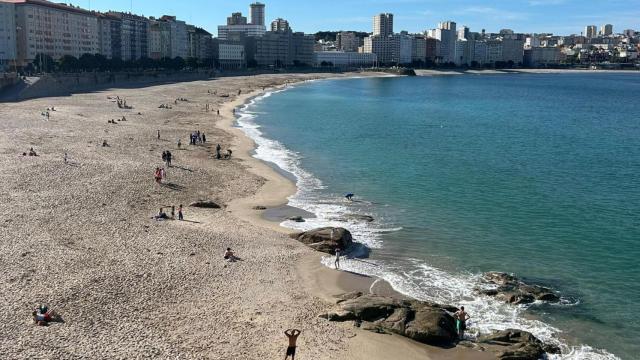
<point>319,280</point>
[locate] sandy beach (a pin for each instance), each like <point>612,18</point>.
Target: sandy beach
<point>79,236</point>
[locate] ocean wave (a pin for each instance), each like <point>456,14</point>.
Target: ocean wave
<point>412,277</point>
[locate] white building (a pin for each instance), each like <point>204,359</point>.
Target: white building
<point>231,56</point>
<point>344,59</point>
<point>8,50</point>
<point>54,29</point>
<point>391,50</point>
<point>179,39</point>
<point>247,30</point>
<point>446,33</point>
<point>606,30</point>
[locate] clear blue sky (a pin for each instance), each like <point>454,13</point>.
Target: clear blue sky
<point>561,17</point>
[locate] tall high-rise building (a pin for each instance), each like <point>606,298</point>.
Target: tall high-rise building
<point>383,24</point>
<point>463,33</point>
<point>591,31</point>
<point>280,24</point>
<point>446,33</point>
<point>257,13</point>
<point>606,30</point>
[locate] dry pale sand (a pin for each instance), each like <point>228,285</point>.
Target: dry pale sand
<point>79,237</point>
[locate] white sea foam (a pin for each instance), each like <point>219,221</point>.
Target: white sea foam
<point>412,277</point>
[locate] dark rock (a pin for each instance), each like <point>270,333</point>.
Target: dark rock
<point>512,290</point>
<point>296,218</point>
<point>259,207</point>
<point>356,217</point>
<point>512,344</point>
<point>326,239</point>
<point>425,322</point>
<point>205,204</point>
<point>348,296</point>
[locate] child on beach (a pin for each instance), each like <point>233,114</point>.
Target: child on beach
<point>157,175</point>
<point>229,256</point>
<point>336,263</point>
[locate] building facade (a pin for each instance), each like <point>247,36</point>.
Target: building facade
<point>134,35</point>
<point>591,31</point>
<point>383,24</point>
<point>257,14</point>
<point>8,45</point>
<point>280,49</point>
<point>344,59</point>
<point>542,56</point>
<point>224,31</point>
<point>280,24</point>
<point>53,29</point>
<point>347,41</point>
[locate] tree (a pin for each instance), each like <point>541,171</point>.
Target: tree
<point>252,63</point>
<point>116,64</point>
<point>146,63</point>
<point>88,62</point>
<point>178,63</point>
<point>192,62</point>
<point>43,63</point>
<point>101,62</point>
<point>69,63</point>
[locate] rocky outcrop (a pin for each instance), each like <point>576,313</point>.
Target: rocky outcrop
<point>426,322</point>
<point>356,217</point>
<point>326,239</point>
<point>512,344</point>
<point>512,290</point>
<point>205,204</point>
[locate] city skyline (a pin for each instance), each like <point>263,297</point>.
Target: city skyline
<point>562,17</point>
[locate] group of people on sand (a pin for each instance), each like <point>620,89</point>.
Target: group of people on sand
<point>197,137</point>
<point>159,174</point>
<point>162,215</point>
<point>30,153</point>
<point>165,106</point>
<point>122,103</point>
<point>166,157</point>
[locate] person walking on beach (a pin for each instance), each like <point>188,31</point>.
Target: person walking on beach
<point>65,158</point>
<point>164,156</point>
<point>179,144</point>
<point>173,212</point>
<point>292,334</point>
<point>204,138</point>
<point>336,263</point>
<point>169,156</point>
<point>461,317</point>
<point>218,148</point>
<point>158,175</point>
<point>180,217</point>
<point>158,134</point>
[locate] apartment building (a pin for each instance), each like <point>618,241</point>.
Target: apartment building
<point>344,59</point>
<point>134,35</point>
<point>43,27</point>
<point>284,49</point>
<point>8,46</point>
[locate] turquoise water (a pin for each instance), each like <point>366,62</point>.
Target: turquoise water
<point>531,174</point>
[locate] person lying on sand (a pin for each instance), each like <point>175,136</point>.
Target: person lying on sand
<point>292,334</point>
<point>32,152</point>
<point>229,255</point>
<point>161,215</point>
<point>42,315</point>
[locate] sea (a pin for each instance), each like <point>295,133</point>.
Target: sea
<point>531,174</point>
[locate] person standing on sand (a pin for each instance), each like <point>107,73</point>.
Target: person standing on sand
<point>157,175</point>
<point>461,317</point>
<point>180,217</point>
<point>337,261</point>
<point>204,138</point>
<point>169,156</point>
<point>173,212</point>
<point>158,134</point>
<point>179,143</point>
<point>292,334</point>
